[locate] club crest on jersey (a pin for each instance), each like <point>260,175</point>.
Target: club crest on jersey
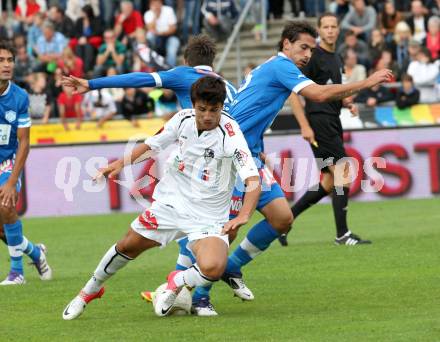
<point>230,129</point>
<point>10,116</point>
<point>241,157</point>
<point>208,155</point>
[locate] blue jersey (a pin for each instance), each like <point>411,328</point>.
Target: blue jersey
<point>179,79</point>
<point>263,94</point>
<point>14,114</point>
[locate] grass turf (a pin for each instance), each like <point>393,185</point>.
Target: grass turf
<point>309,291</point>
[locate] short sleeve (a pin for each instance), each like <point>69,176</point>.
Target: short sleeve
<point>169,133</point>
<point>291,77</point>
<point>24,119</point>
<point>148,17</point>
<point>171,16</point>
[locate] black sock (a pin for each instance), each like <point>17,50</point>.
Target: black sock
<point>340,207</point>
<point>310,198</point>
<point>3,238</point>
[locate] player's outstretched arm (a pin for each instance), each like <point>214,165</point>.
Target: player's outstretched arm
<point>253,190</point>
<point>137,155</point>
<point>335,92</point>
<point>130,80</point>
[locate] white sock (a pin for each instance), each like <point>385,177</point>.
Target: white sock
<point>192,277</point>
<point>112,262</point>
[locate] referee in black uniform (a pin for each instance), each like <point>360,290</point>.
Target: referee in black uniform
<point>326,67</point>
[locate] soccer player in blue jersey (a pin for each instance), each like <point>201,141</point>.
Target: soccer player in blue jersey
<point>14,147</point>
<point>258,101</point>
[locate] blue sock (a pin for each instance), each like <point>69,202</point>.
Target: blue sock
<point>14,237</point>
<point>257,240</point>
<point>31,250</point>
<point>185,259</point>
<point>201,292</point>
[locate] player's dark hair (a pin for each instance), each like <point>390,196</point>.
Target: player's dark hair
<point>211,90</point>
<point>292,31</point>
<point>8,47</point>
<point>325,15</point>
<point>201,50</point>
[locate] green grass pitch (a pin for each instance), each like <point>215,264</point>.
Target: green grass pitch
<point>309,291</point>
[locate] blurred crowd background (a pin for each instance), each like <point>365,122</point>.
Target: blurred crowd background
<point>93,38</point>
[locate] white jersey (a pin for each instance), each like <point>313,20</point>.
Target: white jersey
<point>200,180</point>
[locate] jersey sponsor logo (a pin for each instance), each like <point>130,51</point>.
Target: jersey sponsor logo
<point>10,116</point>
<point>241,157</point>
<point>236,204</point>
<point>5,134</point>
<point>6,166</point>
<point>148,220</point>
<point>208,155</point>
<point>230,129</point>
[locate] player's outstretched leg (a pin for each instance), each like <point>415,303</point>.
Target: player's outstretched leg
<point>278,220</point>
<point>116,258</point>
<point>14,238</point>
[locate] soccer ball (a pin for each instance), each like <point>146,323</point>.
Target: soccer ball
<point>183,303</point>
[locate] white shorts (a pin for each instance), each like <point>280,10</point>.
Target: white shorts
<point>163,223</point>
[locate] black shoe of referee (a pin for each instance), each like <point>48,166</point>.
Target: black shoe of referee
<point>350,239</point>
<point>283,240</point>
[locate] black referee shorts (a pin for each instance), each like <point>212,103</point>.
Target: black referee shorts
<point>329,135</point>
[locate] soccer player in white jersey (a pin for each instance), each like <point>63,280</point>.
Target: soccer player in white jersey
<point>192,199</point>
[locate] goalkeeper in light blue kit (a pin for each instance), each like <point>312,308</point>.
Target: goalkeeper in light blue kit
<point>14,147</point>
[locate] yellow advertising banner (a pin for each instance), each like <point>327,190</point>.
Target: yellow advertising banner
<point>112,131</point>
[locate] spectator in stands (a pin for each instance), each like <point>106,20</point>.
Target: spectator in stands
<point>360,19</point>
<point>61,22</point>
<point>299,8</point>
<point>313,8</point>
<point>116,93</point>
<point>340,8</point>
<point>111,54</point>
<point>75,8</point>
<point>388,19</point>
<point>359,46</point>
<point>25,10</point>
<point>40,100</point>
<point>24,66</point>
<point>71,64</point>
<point>425,73</point>
<point>386,62</point>
<point>219,17</point>
<point>276,8</point>
<point>407,95</point>
<point>376,45</point>
<point>145,58</point>
<point>136,103</point>
<point>399,45</point>
<point>88,33</point>
<point>161,25</point>
<point>191,19</point>
<point>69,106</point>
<point>35,31</point>
<point>128,20</point>
<point>418,21</point>
<point>432,40</point>
<point>375,96</point>
<point>99,105</point>
<point>49,47</point>
<point>353,71</point>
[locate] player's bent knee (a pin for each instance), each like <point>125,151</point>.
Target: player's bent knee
<point>283,222</point>
<point>213,270</point>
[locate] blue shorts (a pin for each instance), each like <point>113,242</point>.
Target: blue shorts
<point>270,190</point>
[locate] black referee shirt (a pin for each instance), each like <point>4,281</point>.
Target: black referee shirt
<point>324,68</point>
